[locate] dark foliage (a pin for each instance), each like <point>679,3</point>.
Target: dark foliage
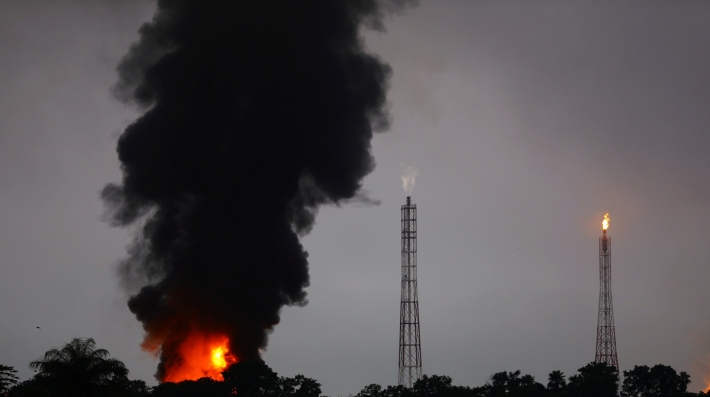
<point>658,381</point>
<point>501,384</point>
<point>8,378</point>
<point>375,390</point>
<point>204,387</point>
<point>130,388</point>
<point>252,379</point>
<point>30,388</point>
<point>594,380</point>
<point>255,379</point>
<point>431,386</point>
<point>512,384</point>
<point>79,369</point>
<point>556,383</point>
<point>299,386</point>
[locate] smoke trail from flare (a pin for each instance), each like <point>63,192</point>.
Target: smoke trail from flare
<point>255,114</point>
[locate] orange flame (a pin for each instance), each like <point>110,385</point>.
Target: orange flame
<point>201,356</point>
<point>605,222</point>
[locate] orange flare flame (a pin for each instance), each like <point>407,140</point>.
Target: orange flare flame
<point>202,356</point>
<point>605,222</point>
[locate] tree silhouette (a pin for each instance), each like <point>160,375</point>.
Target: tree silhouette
<point>373,390</point>
<point>204,387</point>
<point>29,388</point>
<point>79,369</point>
<point>507,384</point>
<point>299,386</point>
<point>594,380</point>
<point>130,388</point>
<point>432,386</point>
<point>556,383</point>
<point>659,381</point>
<point>502,383</point>
<point>255,379</point>
<point>252,379</point>
<point>7,378</point>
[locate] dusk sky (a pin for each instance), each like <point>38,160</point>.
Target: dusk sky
<point>526,120</point>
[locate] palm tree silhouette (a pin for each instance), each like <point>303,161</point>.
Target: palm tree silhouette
<point>79,369</point>
<point>7,378</point>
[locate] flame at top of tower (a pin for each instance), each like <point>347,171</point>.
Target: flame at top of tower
<point>605,222</point>
<point>408,179</point>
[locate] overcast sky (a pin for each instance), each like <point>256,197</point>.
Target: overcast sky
<point>527,122</point>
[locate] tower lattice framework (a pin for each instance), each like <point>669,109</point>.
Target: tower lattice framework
<point>606,334</point>
<point>410,348</point>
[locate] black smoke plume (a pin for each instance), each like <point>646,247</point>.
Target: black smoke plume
<point>255,114</point>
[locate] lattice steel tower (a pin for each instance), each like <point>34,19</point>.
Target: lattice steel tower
<point>410,348</point>
<point>606,334</point>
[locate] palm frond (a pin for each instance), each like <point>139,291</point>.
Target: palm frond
<point>79,365</point>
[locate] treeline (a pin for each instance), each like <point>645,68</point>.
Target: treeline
<point>79,369</point>
<point>592,380</point>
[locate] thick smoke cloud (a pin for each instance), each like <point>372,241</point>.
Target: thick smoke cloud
<point>256,113</point>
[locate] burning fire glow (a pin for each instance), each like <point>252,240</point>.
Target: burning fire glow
<point>201,356</point>
<point>408,179</point>
<point>605,222</point>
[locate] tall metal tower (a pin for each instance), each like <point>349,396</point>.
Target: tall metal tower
<point>410,348</point>
<point>606,334</point>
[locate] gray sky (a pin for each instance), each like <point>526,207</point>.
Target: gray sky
<point>527,122</point>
